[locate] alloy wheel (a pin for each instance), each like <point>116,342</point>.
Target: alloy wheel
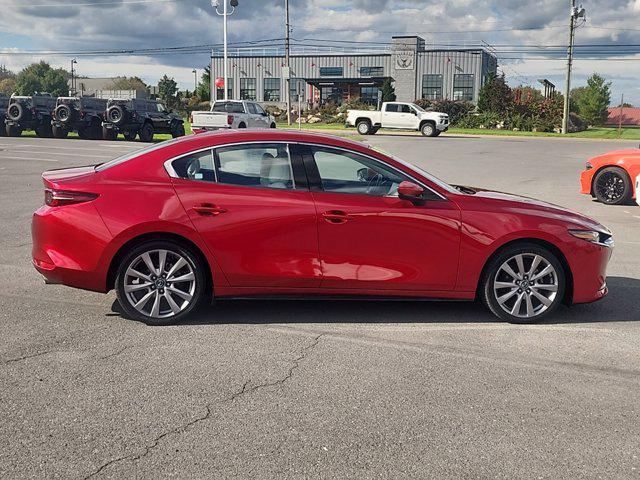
<point>160,283</point>
<point>526,285</point>
<point>610,187</point>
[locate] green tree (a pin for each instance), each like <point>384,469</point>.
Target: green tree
<point>7,81</point>
<point>40,78</point>
<point>203,92</point>
<point>388,91</point>
<point>167,89</point>
<point>495,96</point>
<point>129,83</point>
<point>575,99</point>
<point>592,104</point>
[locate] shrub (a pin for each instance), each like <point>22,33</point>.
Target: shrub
<point>354,104</point>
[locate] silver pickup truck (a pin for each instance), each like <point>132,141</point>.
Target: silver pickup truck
<point>226,114</point>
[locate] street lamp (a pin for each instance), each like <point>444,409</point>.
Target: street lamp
<point>195,80</point>
<point>73,87</point>
<point>224,14</point>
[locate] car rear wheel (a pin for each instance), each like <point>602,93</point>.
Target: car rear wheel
<point>523,283</point>
<point>364,127</point>
<point>612,186</point>
<point>129,135</point>
<point>44,131</point>
<point>159,283</point>
<point>146,133</point>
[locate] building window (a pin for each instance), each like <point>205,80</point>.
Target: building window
<point>369,95</point>
<point>331,94</point>
<point>463,86</point>
<point>294,89</point>
<point>220,91</point>
<point>247,89</point>
<point>432,86</point>
<point>271,90</point>
<point>371,71</point>
<point>330,71</point>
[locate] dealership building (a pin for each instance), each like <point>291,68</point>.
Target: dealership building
<point>416,71</point>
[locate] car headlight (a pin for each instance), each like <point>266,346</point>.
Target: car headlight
<point>588,166</point>
<point>594,236</point>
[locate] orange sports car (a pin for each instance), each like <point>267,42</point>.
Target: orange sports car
<point>611,177</point>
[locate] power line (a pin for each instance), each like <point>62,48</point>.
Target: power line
<point>93,4</point>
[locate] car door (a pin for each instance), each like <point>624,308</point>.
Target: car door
<point>262,118</point>
<point>398,115</point>
<point>252,206</point>
<point>370,239</point>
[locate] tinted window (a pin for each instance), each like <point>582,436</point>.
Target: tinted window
<point>330,71</point>
<point>348,172</point>
<point>392,107</point>
<point>229,107</point>
<point>406,109</point>
<point>260,165</point>
<point>198,166</point>
<point>251,107</point>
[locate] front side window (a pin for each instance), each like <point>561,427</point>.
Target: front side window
<point>432,86</point>
<point>248,89</point>
<point>197,166</point>
<point>348,172</point>
<point>271,90</point>
<point>463,84</point>
<point>259,165</point>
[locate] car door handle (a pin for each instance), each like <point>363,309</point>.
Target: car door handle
<point>209,209</point>
<point>336,217</point>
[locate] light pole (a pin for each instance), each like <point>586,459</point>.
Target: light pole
<point>195,80</point>
<point>73,81</point>
<point>224,14</point>
<point>576,12</point>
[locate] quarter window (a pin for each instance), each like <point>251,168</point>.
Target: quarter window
<point>197,166</point>
<point>463,84</point>
<point>432,86</point>
<point>260,165</point>
<point>348,172</point>
<point>248,89</point>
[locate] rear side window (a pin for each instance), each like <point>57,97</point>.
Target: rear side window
<point>259,165</point>
<point>197,166</point>
<point>392,107</point>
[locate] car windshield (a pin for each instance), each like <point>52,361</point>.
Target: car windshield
<point>442,184</point>
<point>418,108</point>
<point>131,155</point>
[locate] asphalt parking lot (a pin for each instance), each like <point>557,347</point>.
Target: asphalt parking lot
<point>273,389</point>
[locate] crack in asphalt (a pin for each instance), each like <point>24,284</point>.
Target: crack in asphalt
<point>25,357</point>
<point>116,353</point>
<point>244,390</point>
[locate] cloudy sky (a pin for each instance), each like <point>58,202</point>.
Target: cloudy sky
<point>75,26</point>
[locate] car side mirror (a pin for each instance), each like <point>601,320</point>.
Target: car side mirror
<point>411,192</point>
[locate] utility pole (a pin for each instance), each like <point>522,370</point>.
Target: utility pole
<point>73,79</point>
<point>225,13</point>
<point>287,46</point>
<point>195,80</point>
<point>574,14</point>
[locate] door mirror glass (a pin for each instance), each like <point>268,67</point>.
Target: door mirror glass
<point>411,192</point>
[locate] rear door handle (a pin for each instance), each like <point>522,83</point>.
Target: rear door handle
<point>209,209</point>
<point>336,216</point>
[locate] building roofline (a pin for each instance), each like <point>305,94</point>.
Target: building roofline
<point>386,54</point>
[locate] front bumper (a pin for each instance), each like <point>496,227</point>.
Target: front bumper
<point>588,263</point>
<point>586,179</point>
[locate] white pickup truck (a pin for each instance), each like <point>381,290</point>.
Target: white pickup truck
<point>231,114</point>
<point>398,115</point>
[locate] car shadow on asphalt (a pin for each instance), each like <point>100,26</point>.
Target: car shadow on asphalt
<point>619,306</point>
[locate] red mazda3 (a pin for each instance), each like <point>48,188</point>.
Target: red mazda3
<point>253,213</point>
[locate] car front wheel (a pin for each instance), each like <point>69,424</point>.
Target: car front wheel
<point>428,130</point>
<point>612,186</point>
<point>524,283</point>
<point>159,283</point>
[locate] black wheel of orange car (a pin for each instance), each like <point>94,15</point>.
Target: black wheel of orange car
<point>364,127</point>
<point>160,283</point>
<point>178,131</point>
<point>59,132</point>
<point>146,133</point>
<point>428,129</point>
<point>523,283</point>
<point>612,186</point>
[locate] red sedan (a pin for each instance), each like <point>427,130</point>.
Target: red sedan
<point>254,213</point>
<point>611,177</point>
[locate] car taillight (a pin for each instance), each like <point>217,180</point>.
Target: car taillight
<point>58,198</point>
<point>229,119</point>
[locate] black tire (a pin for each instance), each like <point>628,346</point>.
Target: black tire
<point>175,250</point>
<point>3,130</point>
<point>273,125</point>
<point>428,129</point>
<point>242,125</point>
<point>94,132</point>
<point>59,132</point>
<point>374,130</point>
<point>364,127</point>
<point>437,134</point>
<point>13,131</point>
<point>489,292</point>
<point>612,186</point>
<point>109,134</point>
<point>44,131</point>
<point>117,115</point>
<point>178,131</point>
<point>15,112</point>
<point>146,133</point>
<point>129,135</point>
<point>82,133</point>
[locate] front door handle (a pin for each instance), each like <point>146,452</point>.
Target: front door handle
<point>336,217</point>
<point>209,209</point>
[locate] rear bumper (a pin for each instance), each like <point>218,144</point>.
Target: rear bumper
<point>68,244</point>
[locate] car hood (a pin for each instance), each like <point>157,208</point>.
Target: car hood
<point>533,206</point>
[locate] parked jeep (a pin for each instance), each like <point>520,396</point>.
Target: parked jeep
<point>4,104</point>
<point>79,114</point>
<point>140,117</point>
<point>30,113</point>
